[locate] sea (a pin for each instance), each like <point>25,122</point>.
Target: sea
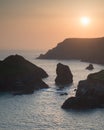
<point>42,109</point>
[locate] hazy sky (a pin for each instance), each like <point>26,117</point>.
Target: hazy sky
<point>41,24</point>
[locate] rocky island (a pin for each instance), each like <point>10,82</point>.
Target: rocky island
<point>64,75</point>
<point>19,76</point>
<point>89,94</point>
<point>84,49</point>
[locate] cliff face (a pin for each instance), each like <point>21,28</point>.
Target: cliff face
<point>85,49</point>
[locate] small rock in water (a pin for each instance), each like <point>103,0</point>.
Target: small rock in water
<point>90,67</point>
<point>62,94</point>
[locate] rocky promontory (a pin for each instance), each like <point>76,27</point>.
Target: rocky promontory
<point>90,93</point>
<point>85,49</point>
<point>19,76</point>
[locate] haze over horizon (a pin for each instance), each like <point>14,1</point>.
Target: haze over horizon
<point>41,24</point>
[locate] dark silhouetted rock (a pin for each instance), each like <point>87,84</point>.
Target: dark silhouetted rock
<point>63,94</point>
<point>64,75</point>
<point>90,67</point>
<point>90,93</point>
<point>19,76</point>
<point>82,103</point>
<point>85,49</point>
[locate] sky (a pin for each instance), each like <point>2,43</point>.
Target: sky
<point>41,24</point>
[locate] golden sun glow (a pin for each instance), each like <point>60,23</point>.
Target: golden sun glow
<point>85,21</point>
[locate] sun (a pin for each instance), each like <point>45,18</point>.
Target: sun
<point>85,21</point>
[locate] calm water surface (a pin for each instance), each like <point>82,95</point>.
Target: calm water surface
<point>42,110</point>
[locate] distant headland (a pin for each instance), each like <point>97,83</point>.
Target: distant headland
<point>84,49</point>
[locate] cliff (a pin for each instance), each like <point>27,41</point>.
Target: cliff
<point>85,49</point>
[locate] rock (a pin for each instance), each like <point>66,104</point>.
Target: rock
<point>19,76</point>
<point>90,67</point>
<point>84,49</point>
<point>81,103</point>
<point>75,89</point>
<point>29,87</point>
<point>90,93</point>
<point>64,93</point>
<point>64,75</point>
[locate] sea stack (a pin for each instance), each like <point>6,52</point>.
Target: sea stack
<point>64,75</point>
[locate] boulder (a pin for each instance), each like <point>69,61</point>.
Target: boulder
<point>90,67</point>
<point>19,76</point>
<point>90,93</point>
<point>64,75</point>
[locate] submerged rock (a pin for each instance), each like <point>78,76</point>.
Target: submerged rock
<point>19,76</point>
<point>64,75</point>
<point>90,67</point>
<point>90,93</point>
<point>64,93</point>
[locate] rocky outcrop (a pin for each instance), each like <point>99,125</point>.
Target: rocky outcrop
<point>64,75</point>
<point>90,67</point>
<point>90,93</point>
<point>85,49</point>
<point>19,76</point>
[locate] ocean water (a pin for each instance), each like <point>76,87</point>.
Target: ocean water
<point>42,110</point>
